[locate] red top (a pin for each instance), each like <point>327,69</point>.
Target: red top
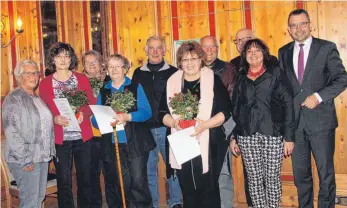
<point>47,95</point>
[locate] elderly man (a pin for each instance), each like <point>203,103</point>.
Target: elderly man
<point>153,77</point>
<point>317,75</point>
<point>227,72</point>
<point>242,36</point>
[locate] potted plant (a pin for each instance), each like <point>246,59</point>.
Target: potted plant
<point>186,105</point>
<point>121,102</point>
<point>96,84</point>
<point>77,99</point>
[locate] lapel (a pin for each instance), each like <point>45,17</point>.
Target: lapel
<point>311,57</point>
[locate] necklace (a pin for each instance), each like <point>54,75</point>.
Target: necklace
<point>256,74</point>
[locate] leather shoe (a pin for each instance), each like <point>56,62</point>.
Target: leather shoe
<point>178,206</point>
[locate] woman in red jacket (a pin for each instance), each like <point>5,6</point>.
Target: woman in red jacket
<point>61,62</point>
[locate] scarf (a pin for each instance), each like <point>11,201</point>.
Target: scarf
<point>174,85</point>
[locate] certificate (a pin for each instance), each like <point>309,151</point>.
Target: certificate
<point>104,116</point>
<point>184,146</point>
<point>65,109</point>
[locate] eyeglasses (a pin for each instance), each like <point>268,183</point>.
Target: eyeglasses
<point>29,74</point>
<point>301,24</point>
<point>116,67</point>
<point>241,40</point>
<point>186,61</point>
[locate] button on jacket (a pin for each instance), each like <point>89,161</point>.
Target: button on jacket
<point>264,105</point>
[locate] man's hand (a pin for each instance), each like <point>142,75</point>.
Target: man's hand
<point>311,102</point>
<point>288,148</point>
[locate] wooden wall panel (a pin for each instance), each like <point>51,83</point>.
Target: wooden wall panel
<point>229,19</point>
<point>130,23</point>
<point>269,22</point>
<point>135,23</point>
<point>193,19</point>
<point>6,68</point>
<point>327,26</point>
<point>165,27</point>
<point>70,24</point>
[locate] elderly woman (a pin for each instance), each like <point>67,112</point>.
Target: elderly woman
<point>28,126</point>
<point>92,63</point>
<point>61,62</point>
<point>134,142</point>
<point>262,107</point>
<point>199,177</point>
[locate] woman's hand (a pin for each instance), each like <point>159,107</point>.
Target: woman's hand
<point>288,148</point>
<point>29,167</point>
<point>200,127</point>
<point>123,118</point>
<point>80,117</point>
<point>175,124</point>
<point>234,148</point>
<point>61,120</point>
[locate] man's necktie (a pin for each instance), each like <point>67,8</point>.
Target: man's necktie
<point>301,67</point>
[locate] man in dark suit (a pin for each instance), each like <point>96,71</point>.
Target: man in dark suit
<point>241,37</point>
<point>317,76</point>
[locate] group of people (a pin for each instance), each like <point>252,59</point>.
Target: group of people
<point>255,106</point>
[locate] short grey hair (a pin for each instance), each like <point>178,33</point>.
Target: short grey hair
<point>118,57</point>
<point>92,53</point>
<point>20,66</point>
<point>155,37</point>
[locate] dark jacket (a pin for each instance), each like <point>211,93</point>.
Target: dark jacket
<point>324,74</point>
<point>139,136</point>
<point>264,105</point>
<point>154,84</point>
<point>227,73</point>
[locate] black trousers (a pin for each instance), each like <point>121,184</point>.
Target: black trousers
<point>322,146</point>
<point>106,164</point>
<point>80,152</point>
<point>197,188</point>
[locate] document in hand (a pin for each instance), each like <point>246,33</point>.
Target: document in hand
<point>184,147</point>
<point>65,109</point>
<point>104,115</point>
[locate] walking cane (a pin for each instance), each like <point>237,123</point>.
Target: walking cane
<point>119,171</point>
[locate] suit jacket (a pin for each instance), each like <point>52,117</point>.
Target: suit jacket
<point>324,74</point>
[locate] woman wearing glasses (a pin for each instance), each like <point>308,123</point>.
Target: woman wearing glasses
<point>61,62</point>
<point>134,142</point>
<point>28,126</point>
<point>93,68</point>
<point>262,107</point>
<point>199,177</point>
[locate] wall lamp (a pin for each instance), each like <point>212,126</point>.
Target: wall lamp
<point>19,31</point>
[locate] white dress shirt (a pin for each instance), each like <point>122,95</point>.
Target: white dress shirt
<point>307,45</point>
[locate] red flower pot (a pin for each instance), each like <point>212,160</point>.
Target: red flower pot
<point>77,115</point>
<point>186,123</point>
